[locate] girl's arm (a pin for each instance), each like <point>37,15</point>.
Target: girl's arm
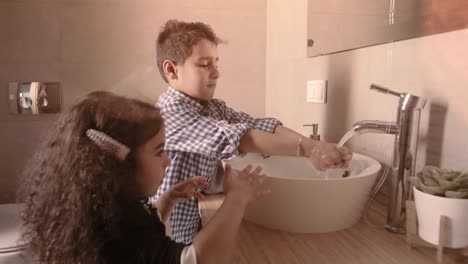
<point>216,241</point>
<point>165,207</point>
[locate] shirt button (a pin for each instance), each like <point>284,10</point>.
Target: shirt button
<point>222,123</point>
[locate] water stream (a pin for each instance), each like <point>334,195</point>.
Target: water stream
<point>346,137</point>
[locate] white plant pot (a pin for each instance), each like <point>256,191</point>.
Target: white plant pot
<point>429,208</point>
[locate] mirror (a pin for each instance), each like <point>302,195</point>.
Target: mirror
<point>33,98</point>
<point>341,25</point>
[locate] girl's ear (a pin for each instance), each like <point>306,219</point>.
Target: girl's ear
<point>170,70</point>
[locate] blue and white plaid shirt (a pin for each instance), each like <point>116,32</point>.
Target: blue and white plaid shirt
<point>197,137</point>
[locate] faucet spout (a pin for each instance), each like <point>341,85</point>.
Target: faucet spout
<point>375,126</point>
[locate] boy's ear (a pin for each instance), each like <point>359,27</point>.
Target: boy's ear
<point>170,69</point>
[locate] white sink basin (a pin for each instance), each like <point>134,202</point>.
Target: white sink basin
<point>306,200</point>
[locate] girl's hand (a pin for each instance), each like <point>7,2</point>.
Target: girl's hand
<point>246,186</point>
<point>185,190</point>
<point>178,193</point>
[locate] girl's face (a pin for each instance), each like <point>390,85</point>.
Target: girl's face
<point>151,162</point>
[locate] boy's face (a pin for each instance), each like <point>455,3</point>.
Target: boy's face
<point>198,75</point>
<point>151,163</point>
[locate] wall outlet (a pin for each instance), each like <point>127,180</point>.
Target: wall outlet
<point>317,91</point>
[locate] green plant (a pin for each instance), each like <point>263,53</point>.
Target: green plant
<point>441,182</point>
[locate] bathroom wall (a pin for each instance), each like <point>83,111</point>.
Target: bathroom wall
<point>92,45</point>
<point>434,67</point>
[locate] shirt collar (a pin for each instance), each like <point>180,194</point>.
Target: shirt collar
<point>204,110</point>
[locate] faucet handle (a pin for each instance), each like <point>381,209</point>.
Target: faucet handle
<point>384,90</point>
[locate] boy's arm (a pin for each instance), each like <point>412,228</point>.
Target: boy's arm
<point>271,125</point>
<point>266,124</point>
<point>281,143</point>
<point>284,141</point>
<point>188,131</point>
<point>287,132</point>
<point>323,155</point>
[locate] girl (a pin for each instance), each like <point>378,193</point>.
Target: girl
<point>85,191</point>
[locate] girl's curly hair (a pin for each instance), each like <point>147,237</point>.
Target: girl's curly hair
<point>73,191</point>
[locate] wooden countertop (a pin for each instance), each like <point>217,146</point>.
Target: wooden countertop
<point>361,243</point>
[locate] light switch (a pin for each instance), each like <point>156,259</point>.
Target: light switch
<point>317,91</point>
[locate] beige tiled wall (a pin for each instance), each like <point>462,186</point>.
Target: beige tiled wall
<point>434,67</point>
<point>109,44</point>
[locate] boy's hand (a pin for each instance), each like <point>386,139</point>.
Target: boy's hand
<point>346,156</point>
<point>326,155</point>
<point>185,190</point>
<point>246,186</point>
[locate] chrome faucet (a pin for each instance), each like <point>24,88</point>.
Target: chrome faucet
<point>406,130</point>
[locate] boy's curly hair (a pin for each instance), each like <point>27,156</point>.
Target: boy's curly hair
<point>74,191</point>
<point>176,39</point>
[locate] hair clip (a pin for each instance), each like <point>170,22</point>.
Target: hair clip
<point>108,144</point>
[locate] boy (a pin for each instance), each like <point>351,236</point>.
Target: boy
<point>201,131</point>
